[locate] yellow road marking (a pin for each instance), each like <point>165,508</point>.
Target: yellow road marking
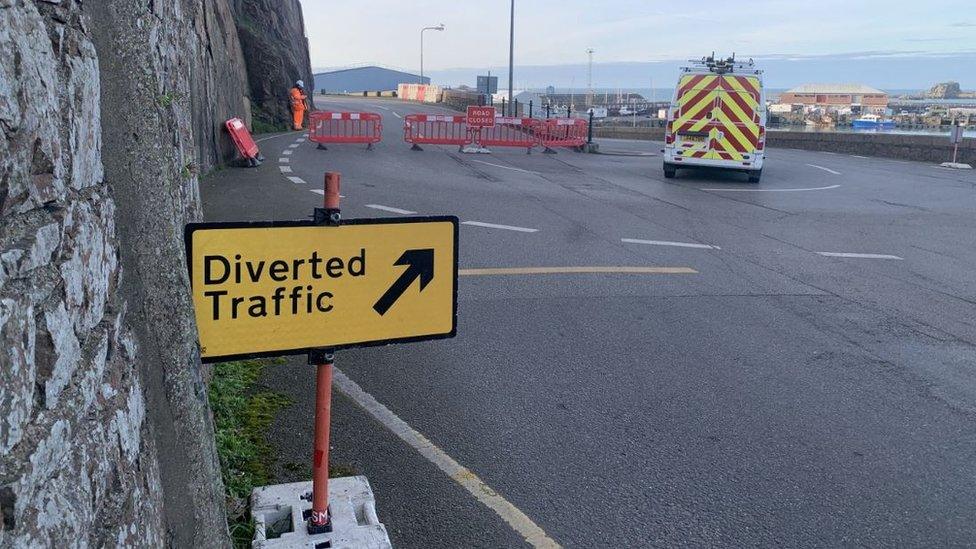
<point>576,270</point>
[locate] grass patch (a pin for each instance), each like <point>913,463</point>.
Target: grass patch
<point>242,416</point>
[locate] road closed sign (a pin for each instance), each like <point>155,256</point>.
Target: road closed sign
<point>480,117</point>
<point>276,288</point>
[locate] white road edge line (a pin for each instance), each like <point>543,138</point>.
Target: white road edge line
<point>772,190</point>
<point>322,192</point>
<point>494,226</point>
<point>285,169</point>
<point>857,156</point>
<point>860,256</point>
<point>519,521</point>
<point>389,209</point>
<point>824,169</point>
<point>297,180</point>
<point>502,167</point>
<point>669,243</point>
<point>273,137</point>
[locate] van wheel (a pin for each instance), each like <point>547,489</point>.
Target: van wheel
<point>754,177</point>
<point>669,171</point>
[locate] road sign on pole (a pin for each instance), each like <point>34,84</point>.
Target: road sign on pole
<point>276,288</point>
<point>955,137</point>
<point>481,117</point>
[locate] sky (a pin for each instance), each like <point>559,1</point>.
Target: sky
<point>877,36</point>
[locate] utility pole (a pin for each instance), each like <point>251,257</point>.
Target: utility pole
<point>511,53</point>
<point>589,78</point>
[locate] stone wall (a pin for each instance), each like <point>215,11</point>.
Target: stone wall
<point>109,111</point>
<point>922,148</point>
<point>276,51</point>
<point>76,463</point>
<point>172,72</point>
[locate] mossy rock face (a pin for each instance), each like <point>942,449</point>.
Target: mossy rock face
<point>264,122</point>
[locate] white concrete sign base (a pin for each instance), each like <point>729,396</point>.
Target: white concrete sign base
<point>279,523</point>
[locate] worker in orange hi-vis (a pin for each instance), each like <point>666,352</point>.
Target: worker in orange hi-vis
<point>298,105</point>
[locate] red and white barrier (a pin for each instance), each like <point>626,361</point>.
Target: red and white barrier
<point>242,139</point>
<point>428,93</point>
<point>562,132</point>
<point>435,129</point>
<point>510,132</point>
<point>522,132</point>
<point>345,127</point>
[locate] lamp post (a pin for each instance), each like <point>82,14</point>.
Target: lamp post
<point>439,27</point>
<point>511,50</point>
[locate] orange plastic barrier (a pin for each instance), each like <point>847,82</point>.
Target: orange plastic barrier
<point>345,127</point>
<point>242,139</point>
<point>562,132</point>
<point>510,132</point>
<point>435,129</point>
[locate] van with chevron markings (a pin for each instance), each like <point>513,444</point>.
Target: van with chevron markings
<point>717,118</point>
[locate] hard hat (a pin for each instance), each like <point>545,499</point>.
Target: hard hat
<point>300,84</point>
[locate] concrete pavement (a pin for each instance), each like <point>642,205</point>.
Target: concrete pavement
<point>775,395</point>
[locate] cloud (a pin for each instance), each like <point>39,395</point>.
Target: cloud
<point>963,24</point>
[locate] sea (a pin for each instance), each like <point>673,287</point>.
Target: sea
<point>665,94</point>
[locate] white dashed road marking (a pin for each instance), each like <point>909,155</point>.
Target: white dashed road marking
<point>294,145</point>
<point>860,256</point>
<point>669,243</point>
<point>396,114</point>
<point>771,190</point>
<point>857,156</point>
<point>494,226</point>
<point>288,152</point>
<point>285,169</point>
<point>824,169</point>
<point>322,192</point>
<point>515,518</point>
<point>272,137</point>
<point>296,180</point>
<point>389,209</point>
<point>284,160</point>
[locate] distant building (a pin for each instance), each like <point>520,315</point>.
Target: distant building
<point>836,97</point>
<point>364,79</point>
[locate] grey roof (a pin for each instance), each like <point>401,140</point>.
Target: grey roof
<point>835,88</point>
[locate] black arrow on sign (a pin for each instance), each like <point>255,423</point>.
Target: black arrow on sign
<point>420,264</point>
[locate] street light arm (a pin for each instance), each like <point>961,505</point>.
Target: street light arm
<point>439,27</point>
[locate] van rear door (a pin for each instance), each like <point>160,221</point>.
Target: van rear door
<point>692,118</point>
<point>737,117</point>
<point>717,116</point>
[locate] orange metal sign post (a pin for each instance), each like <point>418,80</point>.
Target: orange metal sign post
<point>319,521</point>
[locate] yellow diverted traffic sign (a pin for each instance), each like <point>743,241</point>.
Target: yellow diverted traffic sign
<point>274,288</point>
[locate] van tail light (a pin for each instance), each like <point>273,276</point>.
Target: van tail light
<point>669,134</point>
<point>762,139</point>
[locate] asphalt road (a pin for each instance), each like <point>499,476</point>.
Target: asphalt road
<point>778,396</point>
